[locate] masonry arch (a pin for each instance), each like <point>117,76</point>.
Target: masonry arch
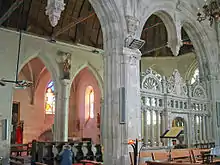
<point>52,67</point>
<point>94,72</point>
<point>81,123</point>
<point>162,10</point>
<point>31,100</point>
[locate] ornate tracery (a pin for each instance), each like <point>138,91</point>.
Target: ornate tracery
<point>165,99</point>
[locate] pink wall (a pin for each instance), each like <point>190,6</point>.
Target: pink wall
<point>33,116</point>
<point>77,106</point>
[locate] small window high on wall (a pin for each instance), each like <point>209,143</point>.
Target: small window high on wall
<point>89,103</point>
<point>195,76</point>
<point>50,99</point>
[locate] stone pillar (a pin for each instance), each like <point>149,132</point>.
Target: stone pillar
<point>200,129</point>
<point>131,83</point>
<point>196,129</point>
<point>190,130</point>
<point>193,137</point>
<point>158,128</point>
<point>152,128</point>
<point>162,125</point>
<point>204,129</point>
<point>145,127</point>
<point>214,127</point>
<point>62,110</point>
<point>122,102</point>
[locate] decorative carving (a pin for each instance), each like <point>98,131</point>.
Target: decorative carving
<point>198,89</point>
<point>65,63</point>
<point>53,10</point>
<point>132,25</point>
<point>132,57</point>
<point>175,84</point>
<point>151,80</point>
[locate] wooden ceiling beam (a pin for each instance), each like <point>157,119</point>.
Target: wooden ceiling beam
<point>13,7</point>
<point>72,24</point>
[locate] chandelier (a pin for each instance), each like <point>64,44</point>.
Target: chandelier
<point>210,11</point>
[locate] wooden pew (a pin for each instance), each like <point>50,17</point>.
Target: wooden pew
<point>85,162</point>
<point>38,163</point>
<point>171,163</point>
<point>142,155</point>
<point>181,155</point>
<point>160,156</point>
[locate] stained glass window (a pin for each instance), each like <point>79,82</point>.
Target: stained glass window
<point>89,103</point>
<point>50,99</point>
<point>195,76</point>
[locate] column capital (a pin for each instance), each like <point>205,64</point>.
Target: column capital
<point>65,82</point>
<point>211,77</point>
<point>132,56</point>
<point>132,52</point>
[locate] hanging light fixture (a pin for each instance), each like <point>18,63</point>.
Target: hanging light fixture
<point>18,83</point>
<point>210,11</point>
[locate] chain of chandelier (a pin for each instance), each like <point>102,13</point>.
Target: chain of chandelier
<point>210,11</point>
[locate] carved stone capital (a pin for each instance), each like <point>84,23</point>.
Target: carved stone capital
<point>131,56</point>
<point>53,10</point>
<point>132,25</point>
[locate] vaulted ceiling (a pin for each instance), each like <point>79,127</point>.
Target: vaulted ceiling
<point>85,27</point>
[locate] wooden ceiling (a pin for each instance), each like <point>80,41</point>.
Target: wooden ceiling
<point>88,31</point>
<point>155,35</point>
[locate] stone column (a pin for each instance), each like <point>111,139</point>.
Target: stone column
<point>162,125</point>
<point>158,128</point>
<point>196,128</point>
<point>213,122</point>
<point>204,129</point>
<point>131,83</point>
<point>152,128</point>
<point>200,129</point>
<point>122,103</point>
<point>145,127</point>
<point>62,111</point>
<point>193,140</point>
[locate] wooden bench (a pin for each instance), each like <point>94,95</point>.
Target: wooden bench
<point>85,162</point>
<point>161,156</point>
<point>38,163</point>
<point>181,155</point>
<point>142,155</point>
<point>14,162</point>
<point>196,155</point>
<point>170,163</point>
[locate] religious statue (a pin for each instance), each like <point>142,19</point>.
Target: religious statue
<point>64,60</point>
<point>66,66</point>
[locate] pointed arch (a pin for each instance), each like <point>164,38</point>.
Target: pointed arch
<point>52,67</point>
<point>94,72</point>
